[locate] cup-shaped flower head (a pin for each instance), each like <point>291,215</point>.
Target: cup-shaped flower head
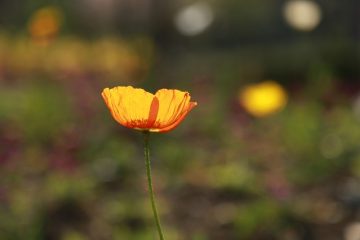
<point>135,108</point>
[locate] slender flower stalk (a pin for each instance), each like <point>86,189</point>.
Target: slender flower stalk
<point>150,185</point>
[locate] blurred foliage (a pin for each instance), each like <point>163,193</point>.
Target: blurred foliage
<point>109,58</point>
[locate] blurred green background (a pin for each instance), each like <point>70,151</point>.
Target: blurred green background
<point>271,152</point>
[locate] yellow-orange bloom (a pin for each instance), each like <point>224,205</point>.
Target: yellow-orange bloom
<point>263,98</point>
<point>135,108</point>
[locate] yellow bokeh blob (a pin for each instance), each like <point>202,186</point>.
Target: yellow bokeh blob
<point>44,24</point>
<point>263,99</point>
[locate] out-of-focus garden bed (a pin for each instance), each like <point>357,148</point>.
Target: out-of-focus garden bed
<point>272,151</point>
<point>68,171</point>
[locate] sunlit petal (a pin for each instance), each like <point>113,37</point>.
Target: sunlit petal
<point>138,109</point>
<point>179,119</point>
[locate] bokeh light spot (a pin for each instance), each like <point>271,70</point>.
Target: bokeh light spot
<point>303,15</point>
<point>263,98</point>
<point>352,231</point>
<point>194,19</point>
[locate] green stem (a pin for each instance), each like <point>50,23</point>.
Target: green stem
<point>150,185</point>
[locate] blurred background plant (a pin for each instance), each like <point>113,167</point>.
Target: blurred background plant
<point>272,151</point>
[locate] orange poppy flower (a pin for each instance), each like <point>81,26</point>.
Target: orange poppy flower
<point>135,108</point>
